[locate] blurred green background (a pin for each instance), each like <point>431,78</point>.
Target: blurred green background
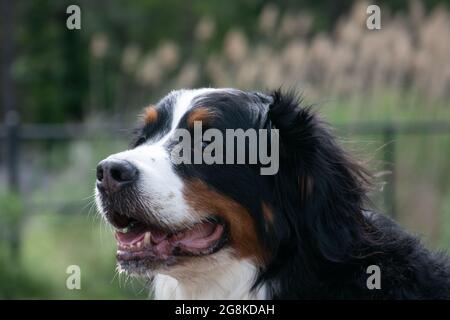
<point>386,91</point>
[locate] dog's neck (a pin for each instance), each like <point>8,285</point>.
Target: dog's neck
<point>231,280</point>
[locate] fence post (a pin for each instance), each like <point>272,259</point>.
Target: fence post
<point>11,122</point>
<point>389,166</point>
<point>12,150</point>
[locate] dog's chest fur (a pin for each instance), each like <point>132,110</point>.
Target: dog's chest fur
<point>232,280</point>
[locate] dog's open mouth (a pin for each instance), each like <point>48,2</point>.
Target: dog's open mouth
<point>137,241</point>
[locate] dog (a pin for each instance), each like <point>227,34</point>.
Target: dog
<point>226,231</point>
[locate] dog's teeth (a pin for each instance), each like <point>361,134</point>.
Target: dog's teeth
<point>147,238</point>
<point>124,230</point>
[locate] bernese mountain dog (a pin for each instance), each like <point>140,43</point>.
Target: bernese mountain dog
<point>225,231</point>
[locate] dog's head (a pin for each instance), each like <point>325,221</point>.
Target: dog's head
<point>172,215</point>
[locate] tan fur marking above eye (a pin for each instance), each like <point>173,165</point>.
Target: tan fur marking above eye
<point>199,114</point>
<point>150,114</point>
<point>242,230</point>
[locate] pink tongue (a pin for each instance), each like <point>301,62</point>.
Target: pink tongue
<point>201,236</point>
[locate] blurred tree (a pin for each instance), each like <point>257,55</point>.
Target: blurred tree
<point>50,69</point>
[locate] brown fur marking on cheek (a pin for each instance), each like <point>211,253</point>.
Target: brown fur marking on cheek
<point>268,215</point>
<point>199,114</point>
<point>243,236</point>
<point>150,114</point>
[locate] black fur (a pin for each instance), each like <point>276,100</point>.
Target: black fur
<point>324,238</point>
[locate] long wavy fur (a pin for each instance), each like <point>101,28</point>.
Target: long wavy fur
<point>324,238</point>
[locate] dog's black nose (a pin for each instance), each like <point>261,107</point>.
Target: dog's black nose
<point>112,175</point>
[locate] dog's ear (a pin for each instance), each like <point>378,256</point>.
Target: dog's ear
<point>319,189</point>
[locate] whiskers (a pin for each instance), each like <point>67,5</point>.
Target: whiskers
<point>96,218</point>
<point>138,284</point>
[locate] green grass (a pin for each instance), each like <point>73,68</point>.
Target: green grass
<point>61,228</point>
<point>52,242</point>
